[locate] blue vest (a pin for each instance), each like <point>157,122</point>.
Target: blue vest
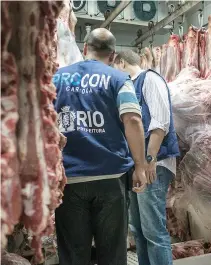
<point>88,116</point>
<point>169,146</point>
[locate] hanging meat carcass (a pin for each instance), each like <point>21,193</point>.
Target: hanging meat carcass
<point>191,104</point>
<point>156,53</point>
<point>170,63</point>
<point>143,62</point>
<point>190,55</point>
<point>28,91</point>
<point>65,36</point>
<point>202,52</point>
<point>146,58</point>
<point>11,203</point>
<point>163,59</point>
<point>205,51</point>
<point>149,57</point>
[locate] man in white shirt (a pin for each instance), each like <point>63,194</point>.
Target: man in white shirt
<point>148,209</point>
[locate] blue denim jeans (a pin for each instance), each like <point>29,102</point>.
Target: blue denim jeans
<point>148,221</point>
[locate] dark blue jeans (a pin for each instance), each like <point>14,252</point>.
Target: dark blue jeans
<point>147,221</point>
<point>96,209</point>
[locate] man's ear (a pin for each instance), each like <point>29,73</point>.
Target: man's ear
<point>122,63</point>
<point>85,49</point>
<point>111,58</point>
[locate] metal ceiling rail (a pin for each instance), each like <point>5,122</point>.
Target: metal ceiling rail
<point>115,13</point>
<point>164,22</point>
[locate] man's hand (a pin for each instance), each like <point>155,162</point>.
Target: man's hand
<point>139,179</point>
<point>151,172</point>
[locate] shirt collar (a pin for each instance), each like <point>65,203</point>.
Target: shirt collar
<point>136,75</point>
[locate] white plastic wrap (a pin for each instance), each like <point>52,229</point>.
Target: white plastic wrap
<point>191,104</point>
<point>67,50</point>
<point>196,176</point>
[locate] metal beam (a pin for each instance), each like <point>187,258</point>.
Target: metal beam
<point>164,22</point>
<point>115,13</point>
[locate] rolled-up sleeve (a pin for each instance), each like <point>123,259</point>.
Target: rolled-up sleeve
<point>127,100</point>
<point>156,96</point>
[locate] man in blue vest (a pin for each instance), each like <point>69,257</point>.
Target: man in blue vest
<point>148,209</point>
<point>99,113</point>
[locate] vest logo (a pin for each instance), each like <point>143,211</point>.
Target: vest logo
<point>87,121</point>
<point>83,84</point>
<point>66,120</point>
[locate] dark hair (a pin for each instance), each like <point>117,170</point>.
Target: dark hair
<point>129,56</point>
<point>101,41</point>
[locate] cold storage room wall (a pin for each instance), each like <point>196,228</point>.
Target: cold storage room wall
<point>190,19</point>
<point>125,33</point>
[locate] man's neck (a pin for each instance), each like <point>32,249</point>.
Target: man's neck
<point>134,70</point>
<point>97,58</point>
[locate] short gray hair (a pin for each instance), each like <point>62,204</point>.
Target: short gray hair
<point>129,56</point>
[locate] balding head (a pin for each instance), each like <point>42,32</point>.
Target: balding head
<point>100,42</point>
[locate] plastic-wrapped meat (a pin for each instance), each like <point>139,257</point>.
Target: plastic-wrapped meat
<point>207,248</point>
<point>191,100</point>
<point>195,170</point>
<point>191,105</point>
<point>68,17</point>
<point>171,58</point>
<point>11,204</point>
<point>66,38</point>
<point>187,249</point>
<point>191,97</point>
<point>177,216</point>
<point>196,164</point>
<point>190,56</point>
<point>13,259</point>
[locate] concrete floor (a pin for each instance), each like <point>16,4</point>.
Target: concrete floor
<point>132,260</point>
<point>200,260</point>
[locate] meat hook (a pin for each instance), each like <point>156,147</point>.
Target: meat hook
<point>151,45</point>
<point>181,2</point>
<point>139,33</point>
<point>172,28</point>
<point>200,18</point>
<point>171,8</point>
<point>150,27</point>
<point>181,31</point>
<point>140,49</point>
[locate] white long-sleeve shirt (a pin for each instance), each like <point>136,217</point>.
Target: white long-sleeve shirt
<point>156,96</point>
